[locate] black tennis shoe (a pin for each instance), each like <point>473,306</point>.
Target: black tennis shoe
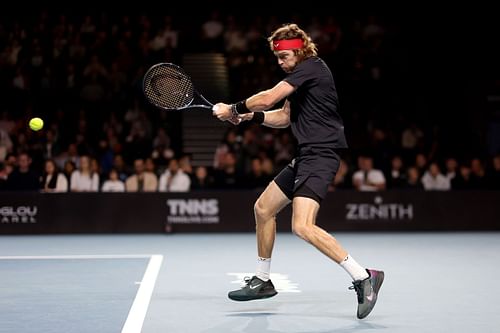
<point>367,291</point>
<point>254,288</point>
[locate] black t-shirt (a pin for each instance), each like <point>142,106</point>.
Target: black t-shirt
<point>314,117</point>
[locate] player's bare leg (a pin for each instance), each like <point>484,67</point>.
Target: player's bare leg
<point>367,282</point>
<point>304,225</point>
<point>267,206</point>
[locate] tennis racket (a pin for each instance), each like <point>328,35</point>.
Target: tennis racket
<point>168,87</point>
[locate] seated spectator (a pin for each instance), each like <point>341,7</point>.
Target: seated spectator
<point>434,180</point>
<point>174,179</point>
<point>421,163</point>
<point>113,183</point>
<point>396,177</point>
<point>451,165</point>
<point>478,174</point>
<point>52,179</point>
<point>150,166</point>
<point>68,168</point>
<point>227,176</point>
<point>120,167</point>
<point>23,178</point>
<point>462,181</point>
<point>367,178</point>
<point>10,163</point>
<point>185,164</point>
<point>256,178</point>
<point>202,179</point>
<point>141,180</point>
<point>84,179</point>
<point>413,179</point>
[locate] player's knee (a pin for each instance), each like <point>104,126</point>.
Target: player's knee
<point>301,230</point>
<point>262,211</point>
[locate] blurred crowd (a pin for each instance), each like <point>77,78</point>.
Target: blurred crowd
<point>82,74</point>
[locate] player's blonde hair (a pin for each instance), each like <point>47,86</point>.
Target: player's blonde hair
<point>292,31</point>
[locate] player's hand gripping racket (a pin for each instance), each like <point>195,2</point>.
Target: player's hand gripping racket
<point>169,87</point>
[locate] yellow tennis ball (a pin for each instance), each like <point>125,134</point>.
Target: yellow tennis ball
<point>36,124</point>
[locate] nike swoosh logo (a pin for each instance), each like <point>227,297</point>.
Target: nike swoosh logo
<point>296,180</point>
<point>256,286</point>
<point>371,296</point>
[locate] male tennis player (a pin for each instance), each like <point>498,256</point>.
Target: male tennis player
<point>311,110</point>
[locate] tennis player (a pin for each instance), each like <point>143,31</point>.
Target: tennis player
<point>310,109</point>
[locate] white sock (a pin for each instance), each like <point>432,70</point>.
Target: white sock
<point>263,268</point>
<point>354,269</point>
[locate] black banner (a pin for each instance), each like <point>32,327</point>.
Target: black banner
<point>38,213</point>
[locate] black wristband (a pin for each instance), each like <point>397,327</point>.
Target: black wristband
<point>234,112</point>
<point>241,107</point>
<point>258,117</point>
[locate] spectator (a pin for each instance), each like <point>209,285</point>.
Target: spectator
<point>174,179</point>
<point>421,163</point>
<point>120,167</point>
<point>396,177</point>
<point>23,178</point>
<point>462,181</point>
<point>367,178</point>
<point>113,183</point>
<point>478,174</point>
<point>84,179</point>
<point>202,179</point>
<point>186,166</point>
<point>68,168</point>
<point>141,180</point>
<point>228,176</point>
<point>413,179</point>
<point>50,146</point>
<point>53,180</point>
<point>256,179</point>
<point>434,180</point>
<point>149,166</point>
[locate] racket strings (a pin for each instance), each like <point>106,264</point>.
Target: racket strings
<point>168,87</point>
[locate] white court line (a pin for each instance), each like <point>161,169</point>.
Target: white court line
<point>81,256</point>
<point>137,312</point>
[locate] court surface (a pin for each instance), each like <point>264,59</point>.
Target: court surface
<point>435,282</point>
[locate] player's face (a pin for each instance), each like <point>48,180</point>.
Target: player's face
<point>287,60</point>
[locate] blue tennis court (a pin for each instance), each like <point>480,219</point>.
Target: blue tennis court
<point>179,283</point>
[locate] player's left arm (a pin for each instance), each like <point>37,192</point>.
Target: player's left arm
<point>279,118</point>
<point>261,101</point>
<point>266,99</point>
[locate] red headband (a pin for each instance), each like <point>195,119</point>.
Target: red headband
<point>287,44</point>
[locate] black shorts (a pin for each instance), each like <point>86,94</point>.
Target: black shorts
<point>311,171</point>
